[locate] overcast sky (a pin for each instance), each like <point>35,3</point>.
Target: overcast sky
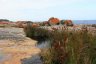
<point>43,9</point>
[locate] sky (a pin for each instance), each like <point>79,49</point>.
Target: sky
<point>39,10</point>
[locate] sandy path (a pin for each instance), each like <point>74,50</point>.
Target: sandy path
<point>19,49</point>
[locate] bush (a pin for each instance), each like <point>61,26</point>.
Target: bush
<point>36,33</point>
<point>71,48</point>
<point>94,25</point>
<point>67,47</point>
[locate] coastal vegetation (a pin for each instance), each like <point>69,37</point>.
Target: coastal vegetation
<point>67,43</point>
<point>66,47</point>
<point>36,33</point>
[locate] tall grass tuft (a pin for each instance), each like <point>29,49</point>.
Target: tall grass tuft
<point>67,47</point>
<point>36,33</point>
<point>71,48</point>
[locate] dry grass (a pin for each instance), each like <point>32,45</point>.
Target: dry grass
<point>68,47</point>
<point>71,48</point>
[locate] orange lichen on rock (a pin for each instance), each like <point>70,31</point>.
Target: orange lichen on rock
<point>68,22</point>
<point>53,20</point>
<point>35,25</point>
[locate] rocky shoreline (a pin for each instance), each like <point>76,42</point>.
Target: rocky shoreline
<point>18,48</point>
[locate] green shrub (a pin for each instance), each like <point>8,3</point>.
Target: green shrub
<point>36,33</point>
